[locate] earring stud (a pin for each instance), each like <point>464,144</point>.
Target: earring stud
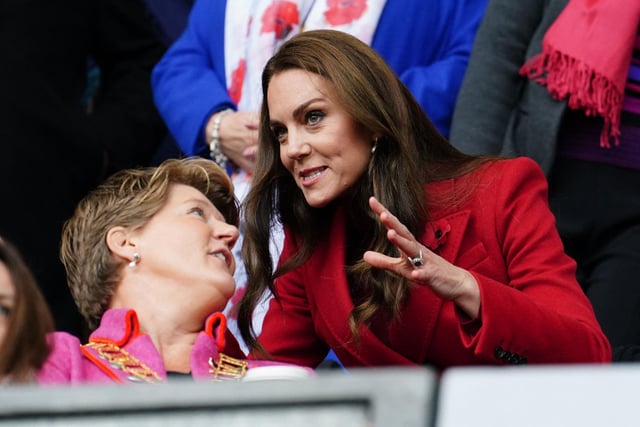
<point>135,260</point>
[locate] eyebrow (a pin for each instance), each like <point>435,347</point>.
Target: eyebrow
<point>204,201</point>
<point>297,113</point>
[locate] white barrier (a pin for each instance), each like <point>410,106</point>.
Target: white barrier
<point>373,397</point>
<point>540,396</point>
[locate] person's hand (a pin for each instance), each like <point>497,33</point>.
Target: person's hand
<point>238,137</point>
<point>445,279</point>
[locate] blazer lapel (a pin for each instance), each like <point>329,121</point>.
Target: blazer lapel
<point>411,336</point>
<point>331,292</point>
<point>452,229</point>
<point>333,305</point>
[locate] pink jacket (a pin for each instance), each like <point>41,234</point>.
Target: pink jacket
<point>71,362</point>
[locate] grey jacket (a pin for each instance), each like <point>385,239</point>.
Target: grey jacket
<point>497,110</point>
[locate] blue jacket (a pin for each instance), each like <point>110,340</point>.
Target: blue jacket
<point>427,43</point>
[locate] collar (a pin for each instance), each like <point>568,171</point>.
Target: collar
<point>121,328</point>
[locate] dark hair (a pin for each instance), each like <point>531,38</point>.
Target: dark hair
<point>409,153</point>
<point>24,347</point>
<point>129,198</point>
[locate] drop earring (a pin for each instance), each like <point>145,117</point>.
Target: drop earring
<point>135,260</point>
<point>374,146</point>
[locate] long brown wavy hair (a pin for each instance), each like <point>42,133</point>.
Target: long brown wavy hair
<point>24,347</point>
<point>409,153</point>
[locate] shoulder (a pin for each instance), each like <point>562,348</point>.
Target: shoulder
<point>509,193</point>
<point>490,187</point>
<point>511,168</point>
<point>505,171</point>
<point>507,180</point>
<point>491,176</point>
<point>63,342</point>
<point>65,353</point>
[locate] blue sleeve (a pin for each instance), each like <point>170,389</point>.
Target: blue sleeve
<point>428,44</point>
<point>189,81</point>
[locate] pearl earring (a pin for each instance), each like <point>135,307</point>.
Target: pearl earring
<point>135,260</point>
<point>374,146</point>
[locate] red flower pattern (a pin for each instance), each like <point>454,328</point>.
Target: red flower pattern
<point>342,12</point>
<point>237,78</point>
<point>280,18</point>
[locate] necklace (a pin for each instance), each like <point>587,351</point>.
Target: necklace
<point>227,368</point>
<point>120,359</point>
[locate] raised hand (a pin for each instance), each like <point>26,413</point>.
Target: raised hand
<point>419,264</point>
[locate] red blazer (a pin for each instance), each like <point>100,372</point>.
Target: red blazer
<point>532,308</point>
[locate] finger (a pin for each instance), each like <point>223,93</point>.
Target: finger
<point>251,125</point>
<point>376,206</point>
<point>399,234</point>
<point>410,247</point>
<point>389,220</point>
<point>251,137</point>
<point>399,266</point>
<point>250,152</point>
<point>252,120</point>
<point>378,260</point>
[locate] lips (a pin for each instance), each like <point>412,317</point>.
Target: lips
<point>310,175</point>
<point>225,256</point>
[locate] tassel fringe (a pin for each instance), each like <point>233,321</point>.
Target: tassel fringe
<point>585,88</point>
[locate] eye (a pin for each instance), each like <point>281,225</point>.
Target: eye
<point>197,211</point>
<point>5,311</point>
<point>279,133</point>
<point>314,117</point>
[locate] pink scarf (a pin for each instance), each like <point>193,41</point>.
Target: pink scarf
<point>585,57</point>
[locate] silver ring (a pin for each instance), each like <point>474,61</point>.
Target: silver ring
<point>417,261</point>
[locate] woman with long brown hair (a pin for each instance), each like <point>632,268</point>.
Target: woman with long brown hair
<point>25,319</point>
<point>399,249</point>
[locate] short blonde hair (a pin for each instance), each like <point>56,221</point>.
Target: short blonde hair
<point>129,198</point>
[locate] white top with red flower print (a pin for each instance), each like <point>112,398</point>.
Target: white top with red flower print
<point>266,24</point>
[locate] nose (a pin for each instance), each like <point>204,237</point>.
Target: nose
<point>226,232</point>
<point>297,146</point>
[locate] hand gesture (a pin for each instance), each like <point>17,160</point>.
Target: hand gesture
<point>419,264</point>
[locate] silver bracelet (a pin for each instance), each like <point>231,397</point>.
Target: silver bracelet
<point>214,145</point>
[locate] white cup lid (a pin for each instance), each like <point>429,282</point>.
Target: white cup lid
<point>276,372</point>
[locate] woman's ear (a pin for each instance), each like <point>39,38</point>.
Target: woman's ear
<point>120,244</point>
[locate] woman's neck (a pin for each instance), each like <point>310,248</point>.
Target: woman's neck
<point>172,329</point>
<point>175,349</point>
<point>173,336</point>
